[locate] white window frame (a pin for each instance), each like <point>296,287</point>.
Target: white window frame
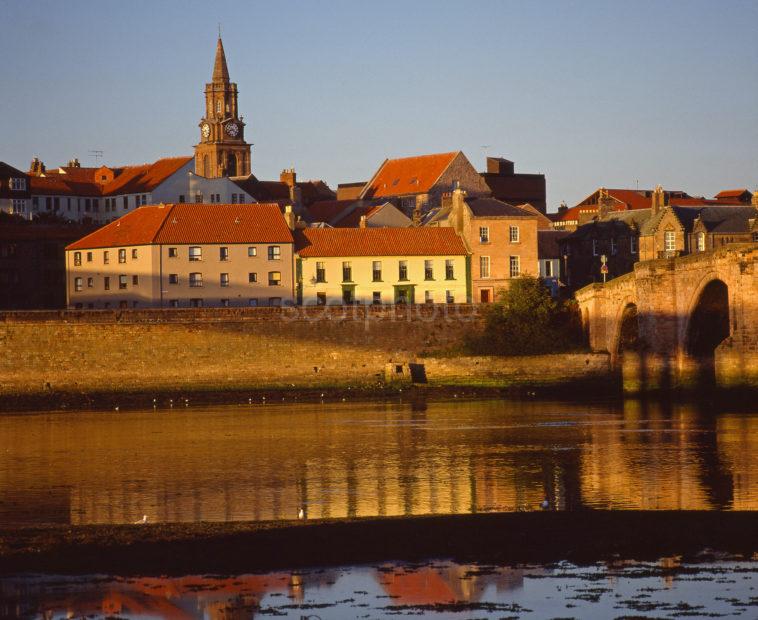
<point>484,266</point>
<point>484,234</point>
<point>514,234</point>
<point>514,264</point>
<point>669,240</point>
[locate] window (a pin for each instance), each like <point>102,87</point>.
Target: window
<point>122,256</point>
<point>515,264</point>
<point>700,241</point>
<point>377,298</point>
<point>223,253</point>
<point>125,201</point>
<point>122,282</point>
<point>173,253</point>
<point>594,247</point>
<point>173,278</point>
<point>548,269</point>
<point>484,266</point>
<point>274,278</point>
<point>484,234</point>
<point>89,257</point>
<point>196,302</point>
<point>107,283</point>
<point>134,253</point>
<point>402,270</point>
<point>135,280</point>
<point>755,236</point>
<point>376,269</point>
<point>633,245</point>
<point>198,197</point>
<point>449,269</point>
<point>196,280</point>
<point>428,297</point>
<point>347,296</point>
<point>234,199</point>
<point>252,251</point>
<point>182,198</point>
<point>78,306</point>
<point>18,184</point>
<point>195,253</point>
<point>449,297</point>
<point>669,241</point>
<point>428,270</point>
<point>218,107</point>
<point>513,233</point>
<point>320,272</point>
<point>107,305</point>
<point>224,303</point>
<point>106,257</point>
<point>78,284</point>
<point>275,302</point>
<point>347,272</point>
<point>320,299</point>
<point>274,252</point>
<point>224,279</point>
<point>173,303</point>
<point>614,248</point>
<point>90,282</point>
<point>252,302</point>
<point>252,277</point>
<point>77,258</point>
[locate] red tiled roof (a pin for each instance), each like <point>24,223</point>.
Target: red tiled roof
<point>192,223</point>
<point>379,242</point>
<point>144,178</point>
<point>326,210</point>
<point>572,214</point>
<point>408,175</point>
<point>731,193</point>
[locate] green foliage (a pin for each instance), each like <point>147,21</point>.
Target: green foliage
<point>526,320</point>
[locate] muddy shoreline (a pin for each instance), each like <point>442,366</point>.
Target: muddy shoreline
<point>174,548</point>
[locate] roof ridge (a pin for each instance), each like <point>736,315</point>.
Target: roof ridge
<point>163,223</point>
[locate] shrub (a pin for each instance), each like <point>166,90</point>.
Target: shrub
<point>526,320</point>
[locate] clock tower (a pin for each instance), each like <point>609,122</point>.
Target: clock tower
<point>222,150</point>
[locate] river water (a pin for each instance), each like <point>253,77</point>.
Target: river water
<point>256,461</point>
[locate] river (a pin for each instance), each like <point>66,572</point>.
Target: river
<point>262,461</point>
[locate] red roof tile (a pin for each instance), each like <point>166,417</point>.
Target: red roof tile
<point>379,242</point>
<point>326,210</point>
<point>144,178</point>
<point>192,223</point>
<point>732,193</point>
<point>408,175</point>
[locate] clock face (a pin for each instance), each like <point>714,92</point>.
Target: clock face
<point>206,129</point>
<point>232,129</point>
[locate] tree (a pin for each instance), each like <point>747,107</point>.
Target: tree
<point>526,320</point>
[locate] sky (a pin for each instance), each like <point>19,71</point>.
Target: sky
<point>591,94</point>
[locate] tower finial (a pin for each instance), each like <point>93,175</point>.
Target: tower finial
<point>219,30</point>
<point>220,72</point>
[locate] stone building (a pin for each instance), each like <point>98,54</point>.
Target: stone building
<point>185,255</point>
<point>14,192</point>
<point>381,266</point>
<point>501,238</point>
<point>417,184</point>
<point>512,187</point>
<point>222,150</point>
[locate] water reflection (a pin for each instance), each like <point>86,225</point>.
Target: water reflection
<point>265,462</point>
<point>441,589</point>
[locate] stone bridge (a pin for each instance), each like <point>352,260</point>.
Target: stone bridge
<point>680,322</point>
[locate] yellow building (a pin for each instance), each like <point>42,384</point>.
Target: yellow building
<point>185,255</point>
<point>381,266</point>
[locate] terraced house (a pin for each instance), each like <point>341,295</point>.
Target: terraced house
<point>185,255</point>
<point>381,266</point>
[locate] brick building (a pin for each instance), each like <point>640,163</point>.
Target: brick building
<point>185,255</point>
<point>512,187</point>
<point>501,238</point>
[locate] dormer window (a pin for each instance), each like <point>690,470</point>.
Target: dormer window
<point>18,184</point>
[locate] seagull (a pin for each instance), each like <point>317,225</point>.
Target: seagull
<point>301,514</point>
<point>142,520</point>
<point>545,505</point>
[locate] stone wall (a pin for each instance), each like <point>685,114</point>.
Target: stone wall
<point>255,348</point>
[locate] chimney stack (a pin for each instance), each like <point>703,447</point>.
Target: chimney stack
<point>289,217</point>
<point>288,176</point>
<point>658,200</point>
<point>37,168</point>
<point>458,208</point>
<point>74,163</point>
<point>604,203</point>
<point>362,223</point>
<point>754,200</point>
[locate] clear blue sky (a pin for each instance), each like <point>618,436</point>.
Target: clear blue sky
<point>589,93</point>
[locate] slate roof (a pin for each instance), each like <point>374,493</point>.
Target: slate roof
<point>492,207</point>
<point>347,242</point>
<point>722,219</point>
<point>192,223</point>
<point>408,175</point>
<point>278,191</point>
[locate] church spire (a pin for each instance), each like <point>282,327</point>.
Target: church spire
<point>220,72</point>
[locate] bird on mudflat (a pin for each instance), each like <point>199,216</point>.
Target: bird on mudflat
<point>301,514</point>
<point>142,520</point>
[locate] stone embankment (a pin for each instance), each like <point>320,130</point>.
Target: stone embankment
<point>89,353</point>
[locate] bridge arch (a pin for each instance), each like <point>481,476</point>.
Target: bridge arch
<point>625,325</point>
<point>708,322</point>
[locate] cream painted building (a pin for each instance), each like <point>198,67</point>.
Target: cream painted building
<point>381,266</point>
<point>187,255</point>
